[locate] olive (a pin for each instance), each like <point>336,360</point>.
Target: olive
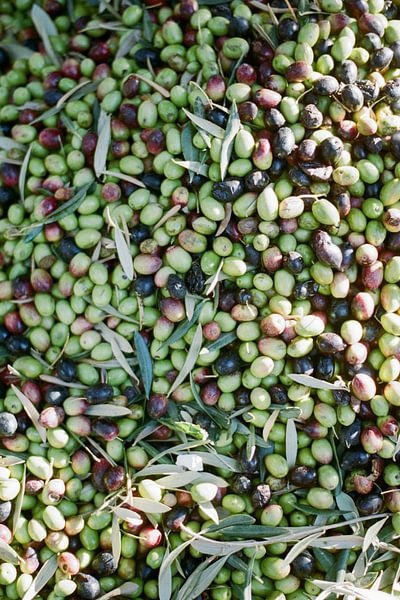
<point>217,116</point>
<point>293,262</point>
<point>228,190</point>
<point>339,311</point>
<point>152,181</point>
<point>256,181</point>
<point>306,289</point>
<point>241,484</point>
<point>55,395</point>
<point>330,343</point>
<point>66,369</point>
<point>7,195</point>
<point>177,517</point>
<point>248,465</point>
<point>67,249</point>
<point>352,97</point>
<point>17,345</point>
<point>239,26</point>
<point>303,365</point>
<point>8,424</point>
<point>195,279</point>
<point>330,150</point>
<point>342,397</point>
<point>189,564</point>
<point>284,142</point>
<point>176,286</point>
<point>227,363</point>
<point>303,566</point>
<point>326,86</point>
<point>274,119</point>
<point>99,393</point>
<point>144,285</point>
<point>369,505</point>
<point>354,459</point>
<point>88,587</point>
<point>5,510</point>
<point>261,495</point>
<point>278,394</point>
<point>325,368</point>
<point>287,29</point>
<point>104,564</point>
<point>302,476</point>
<point>139,233</point>
<point>145,55</point>
<point>347,72</point>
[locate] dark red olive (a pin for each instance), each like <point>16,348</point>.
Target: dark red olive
<point>157,406</point>
<point>177,517</point>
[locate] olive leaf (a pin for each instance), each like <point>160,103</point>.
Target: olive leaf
<point>42,578</point>
<point>232,128</point>
<point>110,310</point>
<point>14,50</point>
<point>107,410</point>
<point>31,411</point>
<point>18,502</point>
<point>219,461</point>
<point>45,28</point>
<point>208,126</point>
<point>85,87</point>
<point>145,362</point>
<point>201,578</point>
<point>247,591</point>
<point>124,253</point>
<point>23,172</point>
<point>225,221</point>
<point>124,177</point>
<point>224,340</point>
<point>159,88</point>
<point>165,572</point>
<point>313,382</point>
<point>8,554</point>
<point>109,334</point>
<point>197,432</point>
<point>371,535</point>
<point>191,359</point>
<point>121,358</point>
<point>148,27</point>
<point>149,506</point>
<point>269,424</point>
<point>190,152</point>
<point>125,514</point>
<point>291,443</point>
<point>348,589</point>
<point>128,589</point>
<point>192,165</point>
<point>127,41</point>
<point>9,144</point>
<point>190,305</point>
<point>324,558</point>
<point>177,480</point>
<point>251,443</point>
<point>116,538</point>
<point>210,511</point>
<point>300,547</point>
<point>103,142</point>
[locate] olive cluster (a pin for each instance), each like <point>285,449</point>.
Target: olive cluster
<point>199,235</point>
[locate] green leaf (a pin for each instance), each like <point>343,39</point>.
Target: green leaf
<point>217,416</point>
<point>324,558</point>
<point>201,578</point>
<point>205,125</point>
<point>148,27</point>
<point>323,512</point>
<point>222,341</point>
<point>195,431</point>
<point>32,234</point>
<point>247,593</point>
<point>191,359</point>
<point>232,128</point>
<point>103,143</point>
<point>291,443</point>
<point>23,172</point>
<point>145,362</point>
<point>46,29</point>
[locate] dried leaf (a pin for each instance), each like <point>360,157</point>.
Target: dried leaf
<point>269,424</point>
<point>291,443</point>
<point>205,125</point>
<point>45,28</point>
<point>225,221</point>
<point>124,177</point>
<point>18,502</point>
<point>124,253</point>
<point>42,578</point>
<point>107,410</point>
<point>191,359</point>
<point>31,411</point>
<point>103,143</point>
<point>149,506</point>
<point>7,144</point>
<point>8,554</point>
<point>145,362</point>
<point>300,547</point>
<point>128,515</point>
<point>313,382</point>
<point>23,172</point>
<point>210,512</point>
<point>232,128</point>
<point>116,538</point>
<point>126,589</point>
<point>371,535</point>
<point>109,335</point>
<point>201,578</point>
<point>192,165</point>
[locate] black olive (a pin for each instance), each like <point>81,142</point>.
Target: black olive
<point>342,397</point>
<point>152,181</point>
<point>100,393</point>
<point>284,142</point>
<point>243,296</point>
<point>278,394</point>
<point>144,571</point>
<point>7,195</point>
<point>330,343</point>
<point>293,262</point>
<point>256,181</point>
<point>287,29</point>
<point>227,363</point>
<point>371,331</point>
<point>8,424</point>
<point>221,10</point>
<point>304,477</point>
<point>139,233</point>
<point>372,189</point>
<point>326,85</point>
<point>355,459</point>
<point>248,465</point>
<point>303,366</point>
<point>330,150</point>
<point>228,190</point>
<point>369,90</point>
<point>193,182</point>
<point>306,289</point>
<point>217,116</point>
<point>359,151</point>
<point>31,44</point>
<point>298,177</point>
<point>369,505</point>
<point>350,435</point>
<point>23,422</point>
<point>242,396</point>
<point>144,285</point>
<point>66,369</point>
<point>277,168</point>
<point>348,255</point>
<point>56,394</point>
<point>176,286</point>
<point>352,97</point>
<point>311,117</point>
<point>67,249</point>
<point>51,97</point>
<point>189,564</point>
<point>104,564</point>
<point>373,144</point>
<point>194,279</point>
<point>392,241</point>
<point>396,54</point>
<point>323,47</point>
<point>253,257</point>
<point>5,128</point>
<point>347,72</point>
<point>381,59</point>
<point>5,510</point>
<point>132,393</point>
<point>339,311</point>
<point>202,419</point>
<point>274,119</point>
<point>325,368</point>
<point>17,345</point>
<point>4,60</point>
<point>241,484</point>
<point>261,495</point>
<point>303,566</point>
<point>177,517</point>
<point>144,55</point>
<point>88,587</point>
<point>239,26</point>
<point>371,41</point>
